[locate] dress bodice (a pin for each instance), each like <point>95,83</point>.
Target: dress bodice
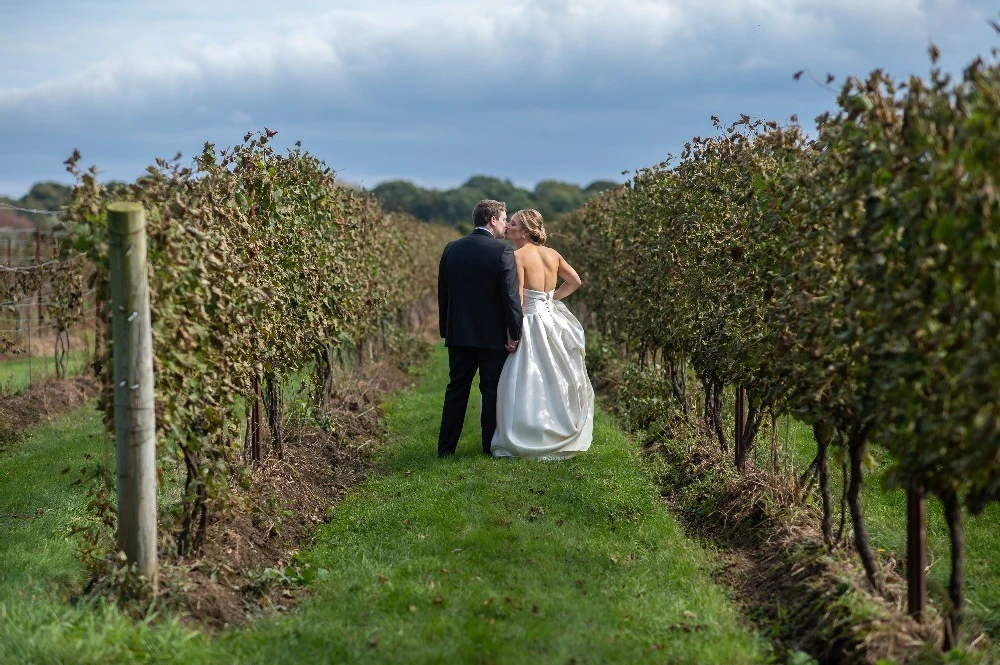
<point>537,300</point>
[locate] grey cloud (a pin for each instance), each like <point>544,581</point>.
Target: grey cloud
<point>574,90</point>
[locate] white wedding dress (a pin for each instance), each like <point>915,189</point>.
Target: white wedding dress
<point>545,402</point>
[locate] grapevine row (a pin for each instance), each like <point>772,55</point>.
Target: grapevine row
<point>261,267</point>
<point>848,279</point>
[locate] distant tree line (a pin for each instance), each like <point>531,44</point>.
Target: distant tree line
<point>450,206</point>
<point>454,206</point>
<point>41,196</point>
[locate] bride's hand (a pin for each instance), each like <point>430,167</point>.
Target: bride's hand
<point>511,345</point>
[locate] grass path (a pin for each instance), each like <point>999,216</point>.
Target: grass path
<point>465,560</point>
<point>477,560</point>
<point>38,570</point>
<point>15,375</point>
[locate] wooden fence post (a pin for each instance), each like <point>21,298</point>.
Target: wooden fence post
<point>135,423</point>
<point>740,427</point>
<point>38,259</point>
<point>256,424</point>
<point>28,317</point>
<point>916,550</point>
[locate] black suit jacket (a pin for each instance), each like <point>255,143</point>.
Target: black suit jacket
<point>478,296</point>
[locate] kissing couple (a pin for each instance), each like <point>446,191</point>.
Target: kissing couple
<point>502,315</point>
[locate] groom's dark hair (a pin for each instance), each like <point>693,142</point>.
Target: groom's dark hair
<point>486,210</point>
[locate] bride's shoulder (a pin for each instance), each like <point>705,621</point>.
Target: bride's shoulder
<point>548,251</point>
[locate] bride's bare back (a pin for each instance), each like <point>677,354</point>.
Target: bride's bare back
<point>539,268</point>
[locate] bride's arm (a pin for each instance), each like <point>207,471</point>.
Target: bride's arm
<point>571,281</point>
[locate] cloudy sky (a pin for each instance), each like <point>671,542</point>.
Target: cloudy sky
<point>439,90</point>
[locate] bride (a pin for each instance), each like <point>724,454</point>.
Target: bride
<point>545,402</point>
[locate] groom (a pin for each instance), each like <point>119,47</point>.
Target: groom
<point>480,317</point>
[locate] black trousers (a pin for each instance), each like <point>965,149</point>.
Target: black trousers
<point>463,363</point>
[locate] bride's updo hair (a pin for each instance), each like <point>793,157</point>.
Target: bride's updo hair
<point>531,222</point>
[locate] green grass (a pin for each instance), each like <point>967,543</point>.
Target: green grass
<point>479,560</point>
<point>885,516</point>
<point>467,559</point>
<point>16,375</point>
<point>39,573</point>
